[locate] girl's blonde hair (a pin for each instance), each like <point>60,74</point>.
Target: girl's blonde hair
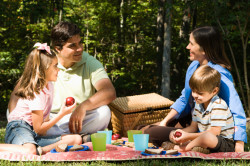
<point>33,77</point>
<point>205,79</point>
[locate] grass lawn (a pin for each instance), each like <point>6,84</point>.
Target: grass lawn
<point>150,162</point>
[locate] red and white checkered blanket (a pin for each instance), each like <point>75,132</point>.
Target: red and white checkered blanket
<point>116,153</point>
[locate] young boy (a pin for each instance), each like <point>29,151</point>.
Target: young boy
<point>211,117</point>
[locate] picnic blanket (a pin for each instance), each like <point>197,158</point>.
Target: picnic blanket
<point>117,153</point>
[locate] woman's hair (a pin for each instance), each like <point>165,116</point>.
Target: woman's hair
<point>205,79</point>
<point>210,40</point>
<point>62,32</point>
<point>33,77</point>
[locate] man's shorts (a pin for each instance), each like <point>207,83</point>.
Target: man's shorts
<point>20,132</point>
<point>224,145</point>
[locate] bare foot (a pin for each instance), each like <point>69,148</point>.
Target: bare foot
<point>180,148</point>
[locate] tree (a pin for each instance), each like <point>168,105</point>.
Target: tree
<point>237,28</point>
<point>166,51</point>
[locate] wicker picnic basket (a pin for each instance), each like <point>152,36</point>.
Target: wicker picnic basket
<point>131,111</point>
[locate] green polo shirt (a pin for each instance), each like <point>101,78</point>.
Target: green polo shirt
<point>77,81</point>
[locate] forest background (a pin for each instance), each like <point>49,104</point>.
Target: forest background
<point>141,43</point>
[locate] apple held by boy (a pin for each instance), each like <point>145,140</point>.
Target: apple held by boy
<point>177,134</point>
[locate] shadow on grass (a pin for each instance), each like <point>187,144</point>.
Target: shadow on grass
<point>3,120</point>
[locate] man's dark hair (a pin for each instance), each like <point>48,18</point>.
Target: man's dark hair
<point>62,32</point>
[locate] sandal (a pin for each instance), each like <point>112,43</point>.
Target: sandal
<point>201,150</point>
<point>39,150</point>
<point>85,138</point>
<point>167,145</point>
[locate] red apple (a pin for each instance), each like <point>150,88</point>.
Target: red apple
<point>70,101</point>
<point>177,134</point>
<point>115,136</point>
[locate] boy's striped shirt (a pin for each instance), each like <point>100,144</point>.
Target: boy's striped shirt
<point>216,114</point>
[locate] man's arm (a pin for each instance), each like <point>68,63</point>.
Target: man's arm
<point>105,94</point>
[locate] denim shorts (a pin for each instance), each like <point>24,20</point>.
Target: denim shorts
<point>20,132</point>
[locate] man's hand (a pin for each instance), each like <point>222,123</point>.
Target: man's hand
<point>75,122</point>
<point>239,146</point>
<point>105,94</point>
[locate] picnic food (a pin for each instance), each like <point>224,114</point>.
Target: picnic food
<point>171,152</point>
<point>177,134</point>
<point>76,147</point>
<point>115,136</point>
<point>132,145</point>
<point>117,142</point>
<point>154,151</point>
<point>61,147</point>
<point>150,145</point>
<point>70,101</point>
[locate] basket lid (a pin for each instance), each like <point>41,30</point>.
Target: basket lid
<point>139,103</point>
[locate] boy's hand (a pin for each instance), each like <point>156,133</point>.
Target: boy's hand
<point>183,136</point>
<point>171,136</point>
<point>67,109</point>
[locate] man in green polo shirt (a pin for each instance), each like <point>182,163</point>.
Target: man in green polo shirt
<point>83,77</point>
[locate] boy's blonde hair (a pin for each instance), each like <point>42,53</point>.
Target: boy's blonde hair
<point>205,79</point>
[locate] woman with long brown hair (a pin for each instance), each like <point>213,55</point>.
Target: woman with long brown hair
<point>206,48</point>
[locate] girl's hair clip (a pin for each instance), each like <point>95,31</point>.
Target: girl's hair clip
<point>43,46</point>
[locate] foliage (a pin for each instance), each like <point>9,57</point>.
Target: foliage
<point>121,34</point>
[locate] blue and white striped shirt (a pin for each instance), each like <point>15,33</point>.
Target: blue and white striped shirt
<point>216,114</point>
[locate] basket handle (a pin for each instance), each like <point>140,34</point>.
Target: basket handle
<point>136,121</point>
<point>150,110</point>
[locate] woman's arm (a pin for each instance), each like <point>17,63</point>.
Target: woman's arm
<point>168,118</point>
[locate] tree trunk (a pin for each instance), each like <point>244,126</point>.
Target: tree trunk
<point>194,17</point>
<point>184,31</point>
<point>166,51</point>
<point>244,49</point>
<point>159,41</point>
<point>61,11</point>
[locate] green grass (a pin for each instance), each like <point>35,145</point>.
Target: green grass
<point>146,162</point>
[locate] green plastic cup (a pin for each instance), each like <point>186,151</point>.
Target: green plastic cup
<point>99,141</point>
<point>131,133</point>
<point>109,135</point>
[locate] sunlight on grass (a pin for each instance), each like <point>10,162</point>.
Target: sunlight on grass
<point>2,133</point>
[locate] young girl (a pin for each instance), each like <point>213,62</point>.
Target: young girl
<point>29,121</point>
